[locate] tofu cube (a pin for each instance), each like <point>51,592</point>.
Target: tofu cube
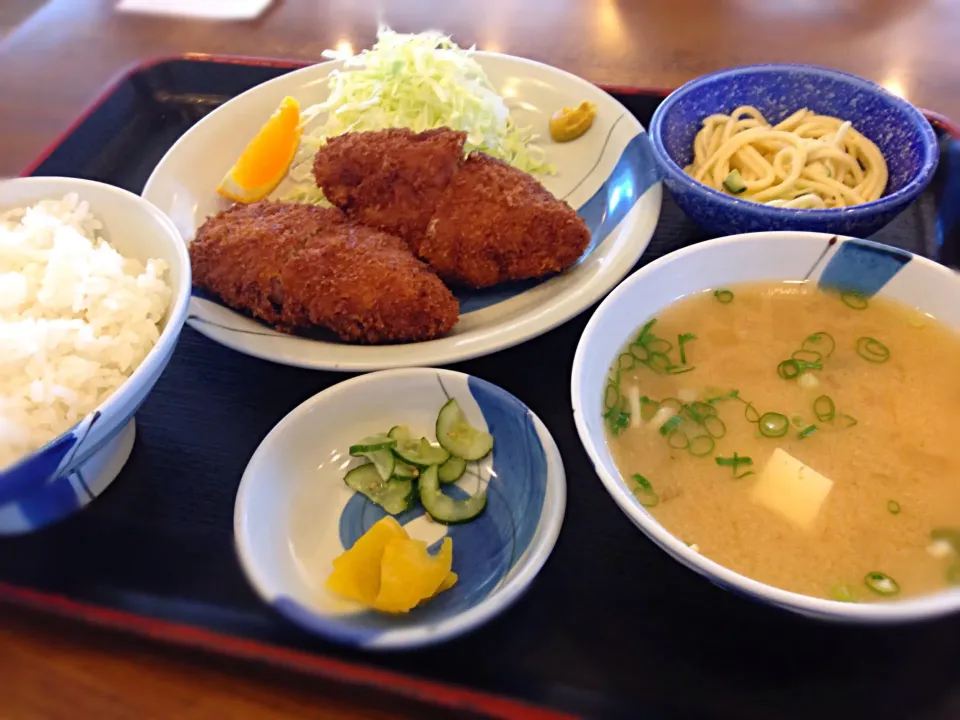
<point>791,489</point>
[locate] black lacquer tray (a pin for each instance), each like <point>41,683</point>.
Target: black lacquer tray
<point>611,627</point>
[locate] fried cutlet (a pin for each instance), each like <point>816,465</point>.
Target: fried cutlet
<point>366,286</point>
<point>495,223</point>
<point>296,265</point>
<point>390,179</point>
<point>239,253</point>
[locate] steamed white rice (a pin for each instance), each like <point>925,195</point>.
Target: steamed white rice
<point>76,319</point>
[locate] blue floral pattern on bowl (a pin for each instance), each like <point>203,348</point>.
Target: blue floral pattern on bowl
<point>495,556</point>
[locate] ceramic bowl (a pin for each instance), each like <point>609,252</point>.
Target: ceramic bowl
<point>860,265</point>
<point>294,514</point>
<point>76,467</point>
<point>903,135</point>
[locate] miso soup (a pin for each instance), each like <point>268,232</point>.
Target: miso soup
<point>803,438</point>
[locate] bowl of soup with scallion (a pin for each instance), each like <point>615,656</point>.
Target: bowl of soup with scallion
<point>777,412</point>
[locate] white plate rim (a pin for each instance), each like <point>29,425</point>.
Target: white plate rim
<point>632,236</point>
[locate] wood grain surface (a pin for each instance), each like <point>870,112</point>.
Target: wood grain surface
<point>53,64</point>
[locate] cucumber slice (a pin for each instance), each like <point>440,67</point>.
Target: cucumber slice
<point>405,472</point>
<point>452,470</point>
<point>383,460</point>
<point>734,183</point>
<point>445,509</point>
<point>458,437</point>
<point>394,495</point>
<point>420,453</point>
<point>400,433</point>
<point>374,442</point>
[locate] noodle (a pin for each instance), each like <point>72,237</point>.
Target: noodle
<point>804,161</point>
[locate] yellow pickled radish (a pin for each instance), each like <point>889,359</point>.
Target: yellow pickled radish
<point>267,157</point>
<point>356,573</point>
<point>410,574</point>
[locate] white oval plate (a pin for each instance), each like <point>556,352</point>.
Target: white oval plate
<point>294,514</point>
<point>608,174</point>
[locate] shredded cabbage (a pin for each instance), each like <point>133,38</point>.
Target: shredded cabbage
<point>417,81</point>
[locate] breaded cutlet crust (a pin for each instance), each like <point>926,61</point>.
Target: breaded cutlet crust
<point>495,223</point>
<point>238,253</point>
<point>296,265</point>
<point>367,287</point>
<point>390,179</point>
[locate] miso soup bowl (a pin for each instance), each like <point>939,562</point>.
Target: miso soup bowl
<point>864,266</point>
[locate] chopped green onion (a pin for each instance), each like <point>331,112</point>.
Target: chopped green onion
<point>701,445</point>
<point>642,482</point>
<point>807,431</point>
<point>824,408</point>
<point>658,362</point>
<point>821,342</point>
<point>714,426</point>
<point>618,416</point>
<point>774,424</point>
<point>893,506</point>
<point>648,500</point>
<point>704,408</point>
<point>648,408</point>
<point>626,361</point>
<point>734,462</point>
<point>640,352</point>
<point>620,422</point>
<point>678,440</point>
<point>611,398</point>
<point>854,299</point>
<point>881,584</point>
<point>732,395</point>
<point>842,593</point>
<point>808,358</point>
<point>733,183</point>
<point>672,402</point>
<point>658,346</point>
<point>846,421</point>
<point>798,422</point>
<point>645,331</point>
<point>953,574</point>
<point>681,341</point>
<point>872,350</point>
<point>788,369</point>
<point>724,296</point>
<point>692,413</point>
<point>751,413</point>
<point>645,492</point>
<point>742,475</point>
<point>670,425</point>
<point>680,369</point>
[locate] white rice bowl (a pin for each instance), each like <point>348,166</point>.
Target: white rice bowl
<point>76,319</point>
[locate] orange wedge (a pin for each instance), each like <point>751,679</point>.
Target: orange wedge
<point>266,158</point>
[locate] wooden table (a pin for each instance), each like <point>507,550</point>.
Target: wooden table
<point>55,62</point>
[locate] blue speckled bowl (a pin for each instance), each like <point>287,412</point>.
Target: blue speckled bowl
<point>900,131</point>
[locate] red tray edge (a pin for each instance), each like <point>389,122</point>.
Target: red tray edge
<point>187,636</point>
<point>181,635</point>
